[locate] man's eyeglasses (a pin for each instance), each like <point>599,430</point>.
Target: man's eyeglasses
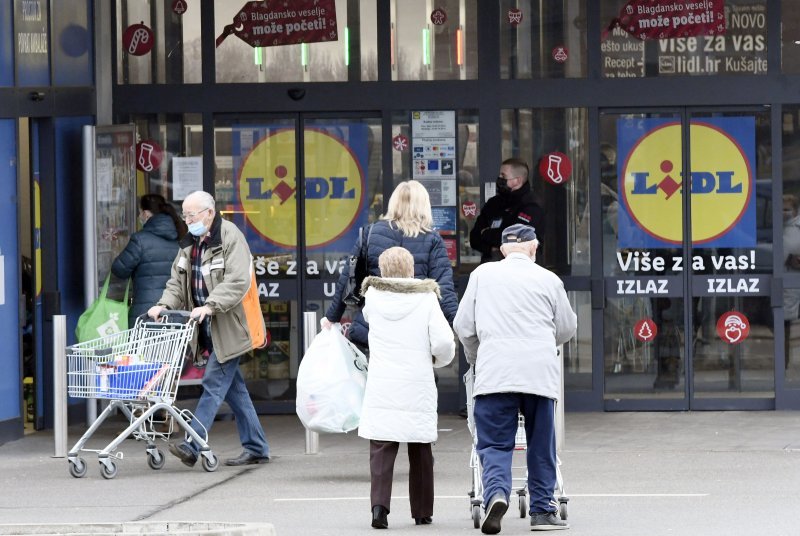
<point>192,215</point>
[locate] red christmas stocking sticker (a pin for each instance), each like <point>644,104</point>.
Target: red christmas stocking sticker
<point>555,167</point>
<point>149,156</point>
<point>733,327</point>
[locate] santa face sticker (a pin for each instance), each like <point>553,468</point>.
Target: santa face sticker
<point>733,327</point>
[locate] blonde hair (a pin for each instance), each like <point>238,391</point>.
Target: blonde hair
<point>410,209</point>
<point>396,262</point>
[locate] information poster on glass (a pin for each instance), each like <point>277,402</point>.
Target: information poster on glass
<point>115,205</point>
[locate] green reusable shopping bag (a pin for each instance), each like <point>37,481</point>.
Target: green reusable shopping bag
<point>104,317</point>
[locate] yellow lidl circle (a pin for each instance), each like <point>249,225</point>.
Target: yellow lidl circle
<point>721,182</point>
<point>333,188</point>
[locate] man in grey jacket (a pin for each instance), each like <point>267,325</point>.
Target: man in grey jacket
<point>511,319</point>
<point>210,277</point>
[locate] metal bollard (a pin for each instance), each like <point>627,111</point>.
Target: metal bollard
<point>60,385</point>
<point>310,331</point>
<point>560,435</point>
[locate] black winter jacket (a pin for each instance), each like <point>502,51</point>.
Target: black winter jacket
<point>501,211</point>
<point>430,262</point>
<point>148,260</point>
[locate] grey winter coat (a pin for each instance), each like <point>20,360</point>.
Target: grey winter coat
<point>147,260</point>
<point>512,316</point>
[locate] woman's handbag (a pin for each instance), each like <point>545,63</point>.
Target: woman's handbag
<point>357,266</point>
<point>330,383</point>
<point>104,317</point>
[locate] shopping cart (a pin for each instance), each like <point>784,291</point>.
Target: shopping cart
<point>137,372</point>
<point>519,483</point>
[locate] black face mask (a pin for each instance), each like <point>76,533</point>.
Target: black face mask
<point>502,186</point>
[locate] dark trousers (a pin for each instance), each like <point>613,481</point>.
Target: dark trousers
<point>382,455</point>
<point>496,420</point>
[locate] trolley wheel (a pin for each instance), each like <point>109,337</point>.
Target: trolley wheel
<point>562,510</point>
<point>523,505</point>
<point>476,516</point>
<point>78,468</point>
<point>210,465</point>
<point>108,471</point>
<point>156,460</point>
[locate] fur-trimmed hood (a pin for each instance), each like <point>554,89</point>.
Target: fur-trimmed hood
<point>404,285</point>
<point>395,298</point>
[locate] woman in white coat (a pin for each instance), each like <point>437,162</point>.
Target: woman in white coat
<point>408,337</point>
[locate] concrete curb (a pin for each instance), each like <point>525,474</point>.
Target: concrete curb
<point>154,528</point>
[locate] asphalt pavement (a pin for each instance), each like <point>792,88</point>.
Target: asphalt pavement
<point>675,474</point>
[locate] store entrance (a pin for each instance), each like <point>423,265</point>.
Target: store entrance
<point>688,320</point>
<point>30,262</point>
<point>299,187</point>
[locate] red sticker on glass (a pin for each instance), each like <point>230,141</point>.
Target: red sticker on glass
<point>438,16</point>
<point>560,54</point>
<point>733,327</point>
<point>514,16</point>
<point>470,209</point>
<point>400,143</point>
<point>555,168</point>
<point>645,330</point>
<point>138,39</point>
<point>149,156</point>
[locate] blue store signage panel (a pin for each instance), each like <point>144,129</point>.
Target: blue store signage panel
<point>6,46</point>
<point>31,41</point>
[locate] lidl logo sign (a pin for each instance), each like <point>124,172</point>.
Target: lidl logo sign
<point>333,186</point>
<point>721,182</point>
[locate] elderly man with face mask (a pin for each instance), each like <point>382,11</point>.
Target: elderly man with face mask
<point>514,203</point>
<point>511,319</point>
<point>210,277</point>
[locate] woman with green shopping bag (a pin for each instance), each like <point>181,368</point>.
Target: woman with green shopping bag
<point>147,259</point>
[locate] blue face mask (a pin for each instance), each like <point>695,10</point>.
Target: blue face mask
<point>198,228</point>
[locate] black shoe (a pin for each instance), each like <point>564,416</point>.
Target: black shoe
<point>183,453</point>
<point>495,511</point>
<point>423,520</point>
<point>247,458</point>
<point>548,521</point>
<point>379,520</point>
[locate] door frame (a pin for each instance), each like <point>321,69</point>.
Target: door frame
<point>687,282</point>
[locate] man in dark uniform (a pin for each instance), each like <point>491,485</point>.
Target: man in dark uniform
<point>514,203</point>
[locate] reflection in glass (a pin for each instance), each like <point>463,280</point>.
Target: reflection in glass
<point>791,244</point>
<point>742,369</point>
<point>640,360</point>
<point>578,350</point>
<point>531,134</point>
<point>542,39</point>
<point>176,57</point>
<point>434,41</point>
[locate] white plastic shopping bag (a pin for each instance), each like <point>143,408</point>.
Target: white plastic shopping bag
<point>330,383</point>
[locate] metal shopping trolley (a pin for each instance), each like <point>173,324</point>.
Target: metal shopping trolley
<point>520,444</point>
<point>137,371</point>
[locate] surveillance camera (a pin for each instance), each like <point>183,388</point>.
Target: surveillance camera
<point>36,96</point>
<point>296,93</point>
